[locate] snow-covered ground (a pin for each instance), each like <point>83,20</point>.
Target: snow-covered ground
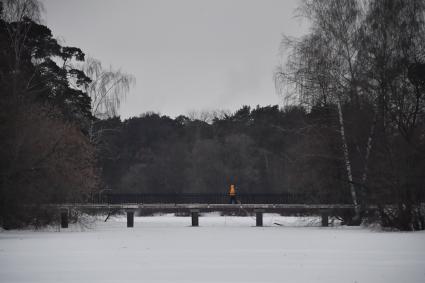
<point>223,249</point>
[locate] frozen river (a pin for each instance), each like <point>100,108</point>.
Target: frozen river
<point>223,249</point>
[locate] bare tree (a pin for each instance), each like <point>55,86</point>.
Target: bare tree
<point>321,66</point>
<point>107,89</point>
<point>16,11</point>
<point>364,56</point>
<point>207,116</point>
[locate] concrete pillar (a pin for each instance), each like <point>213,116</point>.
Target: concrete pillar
<point>325,218</point>
<point>64,217</point>
<point>259,217</point>
<point>195,217</point>
<point>130,218</point>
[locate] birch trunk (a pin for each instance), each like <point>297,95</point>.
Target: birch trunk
<point>347,160</point>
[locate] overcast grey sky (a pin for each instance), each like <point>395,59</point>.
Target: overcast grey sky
<point>186,55</point>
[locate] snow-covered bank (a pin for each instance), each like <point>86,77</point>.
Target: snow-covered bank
<point>223,249</point>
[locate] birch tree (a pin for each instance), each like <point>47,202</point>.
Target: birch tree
<point>321,66</point>
<point>107,89</point>
<point>365,56</point>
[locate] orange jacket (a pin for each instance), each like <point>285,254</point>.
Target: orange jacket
<point>232,191</point>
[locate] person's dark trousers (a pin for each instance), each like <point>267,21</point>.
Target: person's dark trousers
<point>232,200</point>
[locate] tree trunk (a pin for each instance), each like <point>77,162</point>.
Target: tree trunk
<point>347,161</point>
<point>369,145</point>
<point>368,150</point>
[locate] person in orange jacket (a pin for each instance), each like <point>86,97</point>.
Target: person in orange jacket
<point>232,194</point>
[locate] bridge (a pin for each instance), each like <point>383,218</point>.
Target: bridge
<point>223,198</point>
<point>194,204</point>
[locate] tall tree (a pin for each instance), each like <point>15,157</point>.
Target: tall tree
<point>322,66</point>
<point>44,152</point>
<point>358,56</point>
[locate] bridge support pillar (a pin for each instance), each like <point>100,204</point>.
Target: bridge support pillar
<point>194,213</point>
<point>130,218</point>
<point>64,217</point>
<point>325,218</point>
<point>259,217</point>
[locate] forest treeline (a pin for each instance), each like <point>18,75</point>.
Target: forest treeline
<point>262,150</point>
<point>353,130</point>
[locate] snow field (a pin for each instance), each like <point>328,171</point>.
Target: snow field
<point>223,249</point>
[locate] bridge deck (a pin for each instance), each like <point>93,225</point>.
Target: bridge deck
<point>202,206</point>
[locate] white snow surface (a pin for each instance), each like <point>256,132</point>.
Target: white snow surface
<point>223,249</point>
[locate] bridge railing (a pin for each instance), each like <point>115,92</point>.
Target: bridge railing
<point>179,198</point>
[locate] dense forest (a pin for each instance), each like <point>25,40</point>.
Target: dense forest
<point>353,129</point>
<point>261,150</point>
